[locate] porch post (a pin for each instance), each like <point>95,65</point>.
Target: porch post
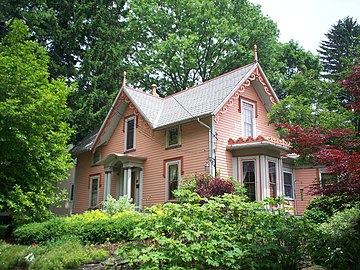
<point>107,182</point>
<point>141,175</point>
<point>128,184</point>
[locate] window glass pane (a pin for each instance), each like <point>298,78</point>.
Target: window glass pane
<point>248,119</point>
<point>272,178</point>
<point>96,156</point>
<point>130,134</point>
<point>173,136</point>
<point>249,179</point>
<point>94,191</point>
<point>173,175</point>
<point>288,185</point>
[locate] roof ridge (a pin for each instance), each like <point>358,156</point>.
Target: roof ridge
<point>143,92</point>
<point>210,80</point>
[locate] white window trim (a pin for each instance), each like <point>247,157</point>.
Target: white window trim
<point>126,129</point>
<point>167,136</point>
<point>243,117</point>
<point>98,189</point>
<point>257,173</point>
<point>178,162</point>
<point>289,171</point>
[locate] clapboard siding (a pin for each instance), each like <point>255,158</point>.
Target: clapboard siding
<point>304,178</point>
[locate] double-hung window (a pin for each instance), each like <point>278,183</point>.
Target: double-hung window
<point>130,133</point>
<point>288,185</point>
<point>248,178</point>
<point>94,190</point>
<point>248,119</point>
<point>272,178</point>
<point>173,136</point>
<point>173,178</point>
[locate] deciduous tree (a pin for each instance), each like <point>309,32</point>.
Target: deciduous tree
<point>33,130</point>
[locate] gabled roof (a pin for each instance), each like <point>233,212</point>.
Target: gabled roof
<point>201,100</point>
<point>197,101</point>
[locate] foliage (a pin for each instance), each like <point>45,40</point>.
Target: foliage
<point>338,150</point>
<point>91,227</point>
<point>181,43</point>
<point>112,206</point>
<point>337,245</point>
<point>12,256</point>
<point>225,233</point>
<point>321,208</point>
<point>338,52</point>
<point>352,86</point>
<point>207,186</point>
<point>33,130</point>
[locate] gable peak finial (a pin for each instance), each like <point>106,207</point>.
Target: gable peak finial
<point>255,53</point>
<point>124,79</point>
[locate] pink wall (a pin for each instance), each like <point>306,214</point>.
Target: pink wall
<point>304,178</point>
<point>230,126</point>
<point>150,144</point>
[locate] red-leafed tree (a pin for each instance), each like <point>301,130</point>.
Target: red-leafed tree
<point>337,149</point>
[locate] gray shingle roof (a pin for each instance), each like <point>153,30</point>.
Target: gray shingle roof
<point>197,101</point>
<point>202,99</point>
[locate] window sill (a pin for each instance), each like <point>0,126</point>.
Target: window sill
<point>129,151</point>
<point>289,199</point>
<point>172,146</point>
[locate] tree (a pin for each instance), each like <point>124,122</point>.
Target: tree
<point>86,44</point>
<point>338,52</point>
<point>33,130</point>
<point>180,43</point>
<point>306,98</point>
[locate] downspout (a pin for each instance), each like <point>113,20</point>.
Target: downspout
<point>211,156</point>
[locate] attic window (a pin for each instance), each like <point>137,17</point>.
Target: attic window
<point>96,156</point>
<point>130,135</point>
<point>173,136</point>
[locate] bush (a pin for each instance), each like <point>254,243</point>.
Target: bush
<point>90,227</point>
<point>112,206</point>
<point>12,256</point>
<point>59,257</point>
<point>224,233</point>
<point>321,208</point>
<point>337,243</point>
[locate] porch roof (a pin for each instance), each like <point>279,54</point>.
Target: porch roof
<point>126,159</point>
<point>260,142</point>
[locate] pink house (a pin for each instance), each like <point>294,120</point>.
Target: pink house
<point>147,144</point>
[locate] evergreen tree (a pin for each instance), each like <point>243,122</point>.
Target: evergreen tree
<point>338,52</point>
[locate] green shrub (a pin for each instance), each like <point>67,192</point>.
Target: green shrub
<point>4,231</point>
<point>67,253</point>
<point>90,227</point>
<point>225,233</point>
<point>336,245</point>
<point>321,208</point>
<point>112,206</point>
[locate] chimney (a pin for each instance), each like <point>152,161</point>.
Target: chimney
<point>124,79</point>
<point>153,90</point>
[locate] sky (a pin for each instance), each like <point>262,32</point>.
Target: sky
<point>307,21</point>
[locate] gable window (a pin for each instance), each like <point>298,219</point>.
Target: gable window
<point>96,156</point>
<point>130,135</point>
<point>272,178</point>
<point>173,136</point>
<point>248,119</point>
<point>248,178</point>
<point>94,190</point>
<point>288,185</point>
<point>173,178</point>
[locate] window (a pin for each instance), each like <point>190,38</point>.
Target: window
<point>288,185</point>
<point>173,178</point>
<point>248,119</point>
<point>272,178</point>
<point>130,135</point>
<point>248,178</point>
<point>94,190</point>
<point>96,156</point>
<point>173,136</point>
<point>72,190</point>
